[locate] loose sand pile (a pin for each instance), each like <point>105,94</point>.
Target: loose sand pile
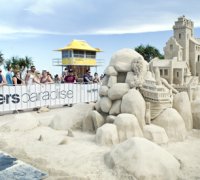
<point>78,157</point>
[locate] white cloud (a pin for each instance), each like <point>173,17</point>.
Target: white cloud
<point>7,32</point>
<point>75,17</point>
<point>135,29</point>
<point>12,30</point>
<point>47,7</point>
<point>41,7</point>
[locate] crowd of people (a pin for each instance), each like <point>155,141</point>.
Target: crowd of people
<point>32,76</point>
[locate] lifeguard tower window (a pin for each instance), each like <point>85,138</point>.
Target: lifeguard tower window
<point>66,54</point>
<point>90,54</point>
<point>198,58</point>
<point>78,53</point>
<point>179,35</point>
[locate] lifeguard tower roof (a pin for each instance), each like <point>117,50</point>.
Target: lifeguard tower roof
<point>79,56</point>
<point>79,45</point>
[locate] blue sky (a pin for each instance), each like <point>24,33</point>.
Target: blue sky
<point>36,27</point>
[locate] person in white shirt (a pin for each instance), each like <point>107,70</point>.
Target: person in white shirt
<point>31,77</point>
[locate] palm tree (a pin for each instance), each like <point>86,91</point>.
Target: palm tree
<point>28,62</point>
<point>19,63</point>
<point>1,59</point>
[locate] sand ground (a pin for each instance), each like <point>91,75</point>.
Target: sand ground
<point>79,157</point>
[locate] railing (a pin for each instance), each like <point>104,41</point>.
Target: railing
<point>100,62</point>
<point>58,62</point>
<point>91,56</point>
<point>79,55</point>
<point>32,96</point>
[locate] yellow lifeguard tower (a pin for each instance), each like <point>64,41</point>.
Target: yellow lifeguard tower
<point>79,56</point>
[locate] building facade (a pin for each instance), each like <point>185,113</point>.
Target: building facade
<point>181,66</point>
<point>184,46</point>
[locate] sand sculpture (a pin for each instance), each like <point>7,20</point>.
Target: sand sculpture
<point>151,100</point>
<point>134,99</point>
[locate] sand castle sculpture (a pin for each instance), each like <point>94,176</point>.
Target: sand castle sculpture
<point>151,100</point>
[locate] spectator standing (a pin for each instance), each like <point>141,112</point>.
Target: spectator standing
<point>102,76</point>
<point>87,78</point>
<point>2,78</point>
<point>45,79</point>
<point>23,72</point>
<point>9,77</point>
<point>57,79</point>
<point>65,72</point>
<point>96,78</point>
<point>30,76</point>
<point>70,78</point>
<point>37,77</point>
<point>17,79</point>
<point>49,74</point>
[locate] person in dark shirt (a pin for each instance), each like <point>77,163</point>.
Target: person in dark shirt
<point>70,78</point>
<point>87,78</point>
<point>16,79</point>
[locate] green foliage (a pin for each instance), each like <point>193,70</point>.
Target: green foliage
<point>1,59</point>
<point>149,52</point>
<point>17,63</point>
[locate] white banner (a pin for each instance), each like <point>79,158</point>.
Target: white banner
<point>38,95</point>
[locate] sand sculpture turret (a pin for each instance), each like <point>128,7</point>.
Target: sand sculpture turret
<point>136,101</point>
